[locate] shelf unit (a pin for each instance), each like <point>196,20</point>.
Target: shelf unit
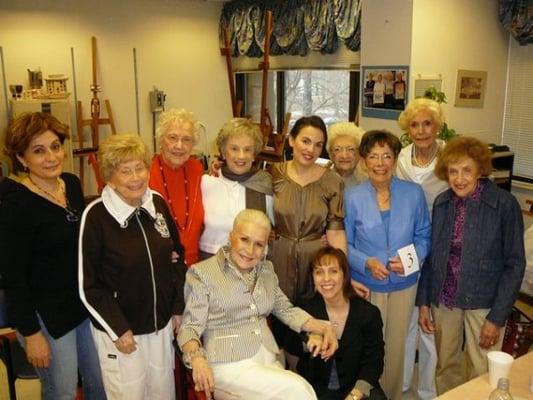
<point>502,166</point>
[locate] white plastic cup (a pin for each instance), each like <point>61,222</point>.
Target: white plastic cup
<point>499,366</point>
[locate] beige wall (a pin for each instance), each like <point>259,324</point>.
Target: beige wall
<point>458,34</point>
<point>177,50</point>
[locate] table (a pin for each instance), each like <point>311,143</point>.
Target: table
<point>479,388</point>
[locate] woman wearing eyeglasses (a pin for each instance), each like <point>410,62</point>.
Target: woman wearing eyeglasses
<point>39,239</point>
<point>176,176</point>
<point>343,148</point>
<point>383,215</point>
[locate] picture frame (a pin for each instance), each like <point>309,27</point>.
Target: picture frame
<point>470,88</point>
<point>384,90</point>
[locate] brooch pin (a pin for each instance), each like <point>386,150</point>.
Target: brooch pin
<point>161,225</point>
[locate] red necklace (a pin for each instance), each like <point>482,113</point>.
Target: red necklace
<point>188,221</point>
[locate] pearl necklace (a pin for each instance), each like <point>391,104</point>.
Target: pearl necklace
<point>431,159</point>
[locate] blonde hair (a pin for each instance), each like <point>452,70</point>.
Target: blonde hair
<point>117,149</point>
<point>236,127</point>
<point>258,218</point>
<point>177,116</point>
<point>417,105</point>
<point>348,129</point>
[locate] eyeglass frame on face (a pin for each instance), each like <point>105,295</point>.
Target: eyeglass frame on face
<point>384,158</point>
<point>352,150</point>
<point>172,138</point>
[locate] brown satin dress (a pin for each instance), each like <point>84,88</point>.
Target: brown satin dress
<point>302,215</point>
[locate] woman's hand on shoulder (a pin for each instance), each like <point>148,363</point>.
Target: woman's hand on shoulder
<point>38,350</point>
<point>377,269</point>
<point>360,289</point>
<point>214,167</point>
<point>126,343</point>
<point>202,375</point>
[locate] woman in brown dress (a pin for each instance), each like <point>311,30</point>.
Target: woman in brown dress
<point>308,203</point>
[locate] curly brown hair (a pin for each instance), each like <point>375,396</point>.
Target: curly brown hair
<point>24,128</point>
<point>462,147</point>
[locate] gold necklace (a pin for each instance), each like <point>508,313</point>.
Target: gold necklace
<point>63,202</point>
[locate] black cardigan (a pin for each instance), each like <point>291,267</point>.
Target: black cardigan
<point>39,250</point>
<point>360,353</point>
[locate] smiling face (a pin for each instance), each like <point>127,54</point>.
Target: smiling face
<point>329,279</point>
<point>463,176</point>
<point>307,145</point>
<point>130,181</point>
<point>239,153</point>
<point>381,164</point>
<point>177,144</point>
<point>344,154</point>
<point>248,243</point>
<point>44,156</point>
<point>423,130</point>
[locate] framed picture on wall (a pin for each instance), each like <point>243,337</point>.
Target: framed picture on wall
<point>384,93</point>
<point>470,88</point>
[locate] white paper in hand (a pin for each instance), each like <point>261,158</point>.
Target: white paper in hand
<point>409,259</point>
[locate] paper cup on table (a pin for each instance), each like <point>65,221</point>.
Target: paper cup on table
<point>499,366</point>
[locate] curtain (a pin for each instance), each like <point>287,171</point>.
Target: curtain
<point>517,17</point>
<point>298,26</point>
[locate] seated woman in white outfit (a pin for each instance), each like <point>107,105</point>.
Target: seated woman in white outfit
<point>228,298</point>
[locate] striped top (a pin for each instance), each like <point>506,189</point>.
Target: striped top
<point>229,318</point>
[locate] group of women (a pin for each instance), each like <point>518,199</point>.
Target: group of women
<point>125,260</point>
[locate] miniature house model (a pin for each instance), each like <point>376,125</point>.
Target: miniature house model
<point>56,86</point>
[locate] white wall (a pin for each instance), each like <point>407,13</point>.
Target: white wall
<point>458,34</point>
<point>177,50</point>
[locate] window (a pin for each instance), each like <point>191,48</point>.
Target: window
<point>330,94</point>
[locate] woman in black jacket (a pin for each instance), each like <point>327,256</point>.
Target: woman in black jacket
<point>39,220</point>
<point>354,371</point>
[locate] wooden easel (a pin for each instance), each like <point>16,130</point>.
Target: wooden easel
<point>94,122</point>
<point>273,142</point>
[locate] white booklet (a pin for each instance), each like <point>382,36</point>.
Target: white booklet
<point>409,259</point>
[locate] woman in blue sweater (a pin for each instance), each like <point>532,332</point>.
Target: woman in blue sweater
<point>383,215</point>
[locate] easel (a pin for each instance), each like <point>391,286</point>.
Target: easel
<point>94,122</point>
<point>273,142</point>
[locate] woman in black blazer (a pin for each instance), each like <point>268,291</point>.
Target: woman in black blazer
<point>354,371</point>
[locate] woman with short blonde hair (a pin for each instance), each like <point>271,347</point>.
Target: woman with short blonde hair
<point>343,148</point>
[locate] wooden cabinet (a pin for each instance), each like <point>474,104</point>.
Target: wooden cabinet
<point>502,168</point>
<point>59,108</point>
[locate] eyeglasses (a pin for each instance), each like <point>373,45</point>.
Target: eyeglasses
<point>174,139</point>
<point>348,149</point>
<point>385,158</point>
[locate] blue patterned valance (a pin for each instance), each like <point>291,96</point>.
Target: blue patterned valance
<point>517,17</point>
<point>298,26</point>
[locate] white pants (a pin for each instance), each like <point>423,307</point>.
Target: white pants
<point>260,377</point>
<point>427,359</point>
<point>145,374</point>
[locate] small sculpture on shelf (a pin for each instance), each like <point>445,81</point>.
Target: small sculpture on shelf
<point>56,86</point>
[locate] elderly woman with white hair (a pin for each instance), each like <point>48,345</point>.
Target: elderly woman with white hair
<point>239,186</point>
<point>225,337</point>
<point>177,176</point>
<point>131,275</point>
<point>422,120</point>
<point>343,148</point>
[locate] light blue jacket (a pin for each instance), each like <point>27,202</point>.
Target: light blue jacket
<point>367,236</point>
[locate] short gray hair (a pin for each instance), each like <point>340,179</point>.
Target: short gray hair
<point>258,218</point>
<point>177,116</point>
<point>236,127</point>
<point>344,129</point>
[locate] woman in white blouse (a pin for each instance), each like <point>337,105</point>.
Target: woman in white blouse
<point>238,185</point>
